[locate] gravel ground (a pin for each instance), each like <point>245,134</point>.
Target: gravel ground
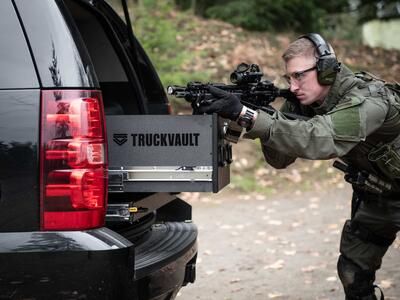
<point>280,247</point>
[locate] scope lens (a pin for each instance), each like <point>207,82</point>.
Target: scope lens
<point>235,77</point>
<point>243,67</point>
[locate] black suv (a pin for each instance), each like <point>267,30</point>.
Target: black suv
<point>64,66</point>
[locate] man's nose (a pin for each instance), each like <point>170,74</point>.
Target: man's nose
<point>294,86</point>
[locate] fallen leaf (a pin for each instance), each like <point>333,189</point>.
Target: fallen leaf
<point>296,224</point>
<point>331,279</point>
<point>308,269</point>
<point>225,226</point>
<point>244,162</point>
<point>274,295</point>
<point>260,197</point>
<point>294,176</point>
<point>317,164</point>
<point>237,290</point>
<point>275,222</point>
<point>276,265</point>
<point>340,185</point>
<point>207,252</point>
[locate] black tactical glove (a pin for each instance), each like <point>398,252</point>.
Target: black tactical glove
<point>226,104</point>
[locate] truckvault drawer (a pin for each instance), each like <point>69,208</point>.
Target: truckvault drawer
<point>164,153</point>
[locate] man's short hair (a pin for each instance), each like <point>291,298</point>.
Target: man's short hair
<point>300,47</point>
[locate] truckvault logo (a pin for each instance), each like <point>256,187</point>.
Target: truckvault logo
<point>120,138</point>
<point>158,139</point>
<point>165,139</point>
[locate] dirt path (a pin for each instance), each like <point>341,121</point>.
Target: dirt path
<point>280,247</point>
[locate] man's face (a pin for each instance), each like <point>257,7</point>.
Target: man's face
<point>301,74</point>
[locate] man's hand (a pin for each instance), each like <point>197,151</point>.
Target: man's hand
<point>223,103</point>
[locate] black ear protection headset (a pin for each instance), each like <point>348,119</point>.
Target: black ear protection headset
<point>327,64</point>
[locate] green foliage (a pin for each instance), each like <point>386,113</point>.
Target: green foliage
<point>199,7</point>
<point>272,15</point>
<point>157,29</point>
<point>342,26</point>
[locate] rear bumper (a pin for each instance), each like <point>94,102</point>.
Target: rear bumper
<point>95,264</point>
<point>166,260</point>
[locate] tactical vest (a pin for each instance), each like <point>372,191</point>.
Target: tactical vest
<point>379,154</point>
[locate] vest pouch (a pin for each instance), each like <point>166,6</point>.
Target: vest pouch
<point>387,158</point>
<point>394,96</point>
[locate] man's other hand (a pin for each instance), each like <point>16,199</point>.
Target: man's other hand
<point>225,104</point>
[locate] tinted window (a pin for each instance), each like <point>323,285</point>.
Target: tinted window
<point>16,67</point>
<point>149,80</point>
<point>121,93</point>
<point>60,61</point>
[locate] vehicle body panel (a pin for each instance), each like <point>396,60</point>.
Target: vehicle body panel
<point>19,134</point>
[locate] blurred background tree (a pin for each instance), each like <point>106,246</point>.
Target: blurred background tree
<point>275,15</point>
<point>373,9</point>
<point>291,15</point>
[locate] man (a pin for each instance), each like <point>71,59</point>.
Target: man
<point>353,117</point>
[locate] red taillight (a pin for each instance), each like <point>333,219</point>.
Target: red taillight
<point>73,160</point>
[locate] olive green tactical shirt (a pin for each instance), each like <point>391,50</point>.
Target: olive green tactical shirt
<point>356,115</point>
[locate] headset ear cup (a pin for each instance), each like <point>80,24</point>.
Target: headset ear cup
<point>327,64</point>
<point>327,69</point>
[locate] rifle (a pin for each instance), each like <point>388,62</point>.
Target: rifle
<point>362,180</point>
<point>247,85</point>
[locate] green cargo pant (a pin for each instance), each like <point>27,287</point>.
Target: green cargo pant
<point>365,240</point>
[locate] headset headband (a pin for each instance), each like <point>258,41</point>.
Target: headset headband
<point>320,44</point>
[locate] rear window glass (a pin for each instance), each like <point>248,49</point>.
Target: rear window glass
<point>16,66</point>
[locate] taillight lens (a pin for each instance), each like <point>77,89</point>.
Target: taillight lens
<point>73,160</point>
